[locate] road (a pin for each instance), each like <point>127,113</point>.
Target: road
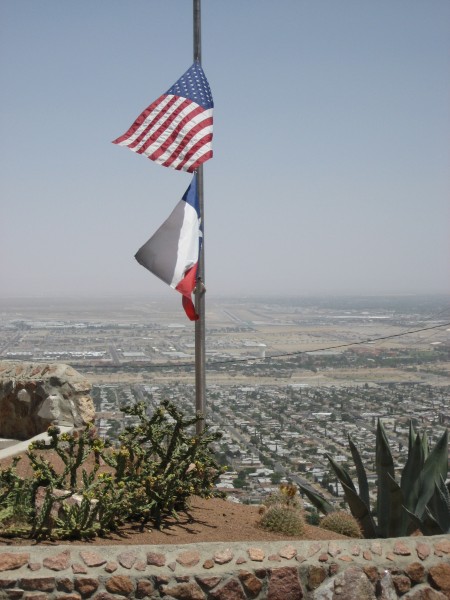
<point>15,339</point>
<point>114,356</point>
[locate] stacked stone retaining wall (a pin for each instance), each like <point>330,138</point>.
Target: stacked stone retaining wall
<point>415,568</point>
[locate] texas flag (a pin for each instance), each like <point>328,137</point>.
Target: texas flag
<point>172,252</point>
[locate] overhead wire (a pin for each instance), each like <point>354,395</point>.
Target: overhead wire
<point>430,317</point>
<point>337,346</point>
<point>214,363</point>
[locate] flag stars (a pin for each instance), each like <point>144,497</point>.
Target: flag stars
<point>193,85</point>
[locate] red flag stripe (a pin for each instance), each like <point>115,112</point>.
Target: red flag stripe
<point>186,287</point>
<point>147,138</point>
<point>154,121</point>
<point>193,153</point>
<point>181,143</point>
<point>198,162</point>
<point>127,137</point>
<point>189,308</point>
<point>187,284</point>
<point>172,127</point>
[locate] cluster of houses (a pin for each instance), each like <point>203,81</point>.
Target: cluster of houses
<point>275,433</point>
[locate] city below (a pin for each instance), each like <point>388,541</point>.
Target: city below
<point>288,379</point>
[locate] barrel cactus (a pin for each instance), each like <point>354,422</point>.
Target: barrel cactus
<point>286,496</point>
<point>342,522</point>
<point>282,519</point>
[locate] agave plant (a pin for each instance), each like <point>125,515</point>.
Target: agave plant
<point>421,500</point>
<point>426,497</point>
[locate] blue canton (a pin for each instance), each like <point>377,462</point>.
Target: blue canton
<point>194,86</point>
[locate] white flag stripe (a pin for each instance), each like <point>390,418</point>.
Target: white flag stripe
<point>193,122</point>
<point>187,255</point>
<point>165,117</point>
<point>194,158</point>
<point>129,140</point>
<point>179,139</point>
<point>170,128</point>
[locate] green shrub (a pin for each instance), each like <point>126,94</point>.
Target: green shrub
<point>312,517</point>
<point>161,464</point>
<point>16,498</point>
<point>158,465</point>
<point>78,501</point>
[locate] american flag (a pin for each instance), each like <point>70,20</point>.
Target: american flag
<point>176,129</point>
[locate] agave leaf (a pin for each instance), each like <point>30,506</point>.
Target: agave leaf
<point>317,499</point>
<point>385,473</point>
<point>360,472</point>
<point>434,468</point>
<point>409,475</point>
<point>342,474</point>
<point>383,451</point>
<point>412,437</point>
<point>425,445</point>
<point>409,478</point>
<point>439,506</point>
<point>441,449</point>
<point>360,511</point>
<point>397,525</point>
<point>427,524</point>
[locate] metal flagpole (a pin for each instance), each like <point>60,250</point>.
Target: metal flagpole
<point>200,379</point>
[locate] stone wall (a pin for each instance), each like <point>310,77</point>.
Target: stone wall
<point>414,568</point>
<point>34,396</point>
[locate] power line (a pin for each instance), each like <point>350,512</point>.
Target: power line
<point>366,341</point>
<point>300,352</point>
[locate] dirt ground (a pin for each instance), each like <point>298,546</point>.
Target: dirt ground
<point>212,520</point>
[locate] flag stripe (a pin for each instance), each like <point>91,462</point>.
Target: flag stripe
<point>165,121</point>
<point>185,287</point>
<point>189,308</point>
<point>176,132</point>
<point>185,148</point>
<point>143,121</point>
<point>187,252</point>
<point>171,144</point>
<point>159,253</point>
<point>187,284</point>
<point>195,153</point>
<point>195,165</point>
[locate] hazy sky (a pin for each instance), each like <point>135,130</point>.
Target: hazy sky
<point>331,145</point>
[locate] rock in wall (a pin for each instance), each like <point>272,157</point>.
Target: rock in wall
<point>34,396</point>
